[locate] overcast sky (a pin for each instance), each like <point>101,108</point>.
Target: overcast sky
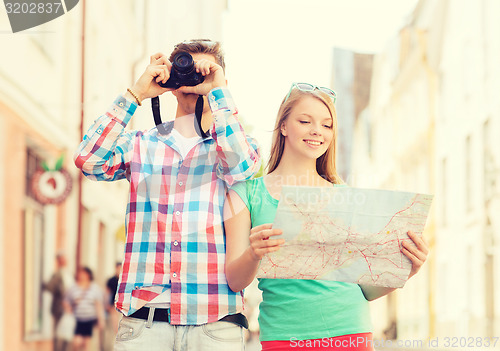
<point>271,43</point>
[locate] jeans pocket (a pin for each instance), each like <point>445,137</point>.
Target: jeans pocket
<point>223,331</point>
<point>130,328</point>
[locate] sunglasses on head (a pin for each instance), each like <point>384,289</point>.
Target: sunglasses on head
<point>312,87</point>
<point>198,41</point>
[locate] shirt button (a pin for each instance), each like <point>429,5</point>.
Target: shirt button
<point>176,243</point>
<point>174,275</point>
<point>177,213</point>
<point>180,183</point>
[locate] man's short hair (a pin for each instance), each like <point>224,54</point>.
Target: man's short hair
<point>201,46</point>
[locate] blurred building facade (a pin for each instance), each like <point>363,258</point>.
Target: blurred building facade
<point>430,127</point>
<point>352,73</point>
<point>54,82</point>
<point>468,171</point>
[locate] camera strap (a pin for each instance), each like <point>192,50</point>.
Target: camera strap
<point>198,113</point>
<point>155,106</point>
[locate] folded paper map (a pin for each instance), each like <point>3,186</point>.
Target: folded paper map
<point>345,234</point>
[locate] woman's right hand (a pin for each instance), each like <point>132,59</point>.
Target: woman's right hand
<point>260,242</point>
<point>157,71</point>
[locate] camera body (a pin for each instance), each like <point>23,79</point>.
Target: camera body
<point>183,72</point>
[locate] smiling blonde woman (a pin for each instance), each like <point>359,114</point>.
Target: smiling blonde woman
<point>299,314</point>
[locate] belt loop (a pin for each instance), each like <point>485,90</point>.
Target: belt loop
<point>151,315</point>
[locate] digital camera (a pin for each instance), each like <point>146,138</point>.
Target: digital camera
<point>183,72</point>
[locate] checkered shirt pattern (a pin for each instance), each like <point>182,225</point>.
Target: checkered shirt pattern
<point>174,220</point>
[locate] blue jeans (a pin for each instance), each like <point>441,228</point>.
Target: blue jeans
<point>137,334</point>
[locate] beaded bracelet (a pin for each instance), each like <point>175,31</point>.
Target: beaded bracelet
<point>135,96</point>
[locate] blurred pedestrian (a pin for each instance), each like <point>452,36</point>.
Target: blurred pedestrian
<point>85,301</point>
<point>59,282</point>
<point>299,313</point>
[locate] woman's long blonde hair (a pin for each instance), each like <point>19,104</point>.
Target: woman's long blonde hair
<point>325,164</point>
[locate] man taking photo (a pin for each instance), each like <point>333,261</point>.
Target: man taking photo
<point>172,289</point>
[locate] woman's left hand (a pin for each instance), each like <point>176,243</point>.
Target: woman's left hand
<point>417,253</point>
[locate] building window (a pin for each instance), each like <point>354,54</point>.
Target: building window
<point>33,164</point>
<point>488,165</point>
<point>469,71</point>
<point>468,173</point>
<point>489,175</point>
<point>101,253</point>
<point>34,236</point>
<point>443,191</point>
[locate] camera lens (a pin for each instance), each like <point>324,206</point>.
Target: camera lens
<point>183,62</point>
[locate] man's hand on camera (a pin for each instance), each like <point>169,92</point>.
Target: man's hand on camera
<point>157,71</point>
<point>214,78</point>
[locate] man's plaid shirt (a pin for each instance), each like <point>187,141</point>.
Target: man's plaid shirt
<point>174,219</point>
